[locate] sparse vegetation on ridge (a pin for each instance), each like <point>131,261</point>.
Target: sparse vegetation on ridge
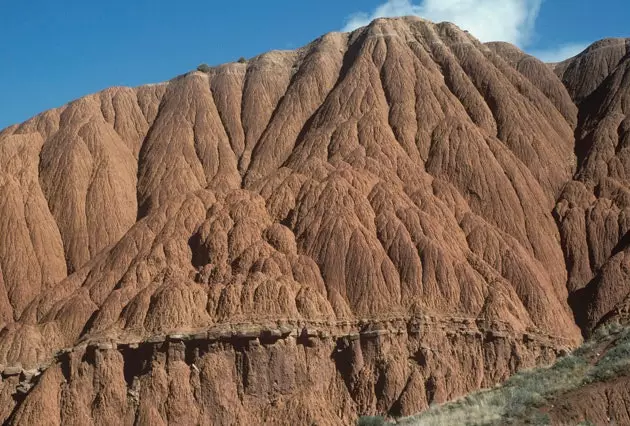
<point>207,68</point>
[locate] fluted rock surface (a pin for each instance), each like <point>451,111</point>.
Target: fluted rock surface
<point>594,209</point>
<point>398,172</point>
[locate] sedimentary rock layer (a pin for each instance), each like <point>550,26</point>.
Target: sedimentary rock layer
<point>404,170</point>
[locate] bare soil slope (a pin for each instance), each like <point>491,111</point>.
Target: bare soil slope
<point>366,224</point>
<point>594,209</point>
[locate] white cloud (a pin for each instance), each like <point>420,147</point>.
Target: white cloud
<point>488,20</point>
<point>559,53</point>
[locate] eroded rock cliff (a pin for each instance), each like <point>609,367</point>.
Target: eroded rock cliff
<point>403,178</point>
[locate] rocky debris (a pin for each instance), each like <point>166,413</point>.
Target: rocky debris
<point>374,334</point>
<point>134,394</point>
<point>309,332</point>
<point>28,375</point>
<point>158,338</point>
<point>246,334</point>
<point>13,370</point>
<point>198,336</point>
<point>23,387</point>
<point>178,337</point>
<point>273,334</point>
<point>105,346</point>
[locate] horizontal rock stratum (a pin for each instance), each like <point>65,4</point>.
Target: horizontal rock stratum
<point>377,221</point>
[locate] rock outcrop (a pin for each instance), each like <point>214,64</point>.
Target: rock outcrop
<point>395,174</point>
<point>594,207</point>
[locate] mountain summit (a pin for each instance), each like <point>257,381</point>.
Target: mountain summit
<point>374,222</point>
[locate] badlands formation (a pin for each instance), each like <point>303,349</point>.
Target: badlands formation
<point>375,222</point>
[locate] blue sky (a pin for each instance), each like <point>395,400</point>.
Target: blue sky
<point>56,51</point>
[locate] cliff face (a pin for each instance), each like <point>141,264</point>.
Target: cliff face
<point>366,224</point>
<point>594,209</point>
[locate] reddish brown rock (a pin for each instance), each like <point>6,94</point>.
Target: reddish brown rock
<point>400,172</point>
<point>594,207</point>
<point>599,403</point>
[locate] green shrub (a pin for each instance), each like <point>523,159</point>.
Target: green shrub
<point>607,330</point>
<point>242,60</point>
<point>614,363</point>
<point>204,68</point>
<point>371,421</point>
<point>538,418</point>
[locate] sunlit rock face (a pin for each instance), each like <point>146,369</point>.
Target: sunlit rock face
<point>377,221</point>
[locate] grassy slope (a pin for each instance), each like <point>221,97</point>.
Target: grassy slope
<point>605,356</point>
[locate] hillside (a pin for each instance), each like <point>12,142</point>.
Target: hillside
<point>375,222</point>
<point>586,387</point>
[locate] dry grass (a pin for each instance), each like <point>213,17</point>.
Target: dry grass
<point>606,355</point>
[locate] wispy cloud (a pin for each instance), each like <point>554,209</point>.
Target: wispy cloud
<point>560,53</point>
<point>488,20</point>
